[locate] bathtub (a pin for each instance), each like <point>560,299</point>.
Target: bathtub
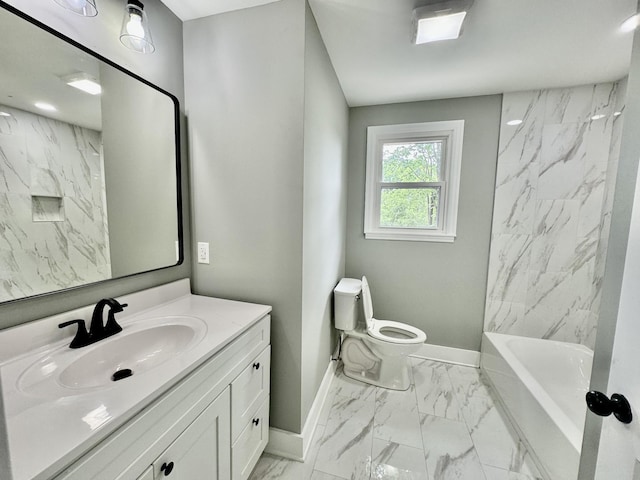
<point>542,384</point>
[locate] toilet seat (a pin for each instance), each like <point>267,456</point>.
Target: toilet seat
<point>395,332</point>
<point>387,330</point>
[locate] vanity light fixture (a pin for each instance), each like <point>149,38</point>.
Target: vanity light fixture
<point>86,8</point>
<point>440,20</point>
<point>83,81</point>
<point>135,33</point>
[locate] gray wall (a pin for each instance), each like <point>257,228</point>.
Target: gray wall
<point>164,68</point>
<point>437,287</point>
<point>244,82</point>
<point>325,207</point>
<point>269,199</point>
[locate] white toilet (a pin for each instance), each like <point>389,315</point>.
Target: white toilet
<point>377,351</point>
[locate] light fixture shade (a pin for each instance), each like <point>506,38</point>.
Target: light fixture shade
<point>135,32</point>
<point>86,8</point>
<point>441,20</point>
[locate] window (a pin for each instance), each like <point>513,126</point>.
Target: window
<point>413,179</point>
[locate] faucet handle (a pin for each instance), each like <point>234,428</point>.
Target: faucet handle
<point>112,327</point>
<point>82,338</point>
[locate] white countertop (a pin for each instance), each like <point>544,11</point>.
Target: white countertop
<point>48,429</point>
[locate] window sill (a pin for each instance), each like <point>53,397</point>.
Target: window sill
<point>411,237</point>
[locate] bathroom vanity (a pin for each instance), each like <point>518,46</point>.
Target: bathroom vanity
<point>196,405</point>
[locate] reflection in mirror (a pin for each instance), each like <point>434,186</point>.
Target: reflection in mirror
<point>89,172</point>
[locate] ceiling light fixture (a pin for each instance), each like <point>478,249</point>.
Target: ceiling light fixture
<point>513,123</point>
<point>441,20</point>
<point>83,81</point>
<point>135,33</point>
<point>631,23</point>
<point>86,8</point>
<point>45,106</point>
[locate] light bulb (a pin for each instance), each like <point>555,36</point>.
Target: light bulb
<point>631,23</point>
<point>77,4</point>
<point>134,26</point>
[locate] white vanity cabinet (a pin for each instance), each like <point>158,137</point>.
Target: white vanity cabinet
<point>250,414</point>
<point>147,475</point>
<point>211,425</point>
<point>201,450</point>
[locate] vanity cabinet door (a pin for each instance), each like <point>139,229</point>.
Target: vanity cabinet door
<point>147,475</point>
<point>202,451</point>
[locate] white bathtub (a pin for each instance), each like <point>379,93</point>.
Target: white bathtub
<point>542,384</point>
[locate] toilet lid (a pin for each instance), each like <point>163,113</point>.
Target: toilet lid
<point>387,330</point>
<point>367,305</point>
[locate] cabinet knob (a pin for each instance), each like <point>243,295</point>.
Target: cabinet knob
<point>256,421</point>
<point>167,468</point>
<point>256,365</point>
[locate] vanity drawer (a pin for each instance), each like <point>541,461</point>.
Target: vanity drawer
<point>249,390</point>
<point>247,449</point>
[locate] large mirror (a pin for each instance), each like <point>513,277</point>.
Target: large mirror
<point>89,165</point>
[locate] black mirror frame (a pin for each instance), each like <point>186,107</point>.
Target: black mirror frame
<point>176,105</point>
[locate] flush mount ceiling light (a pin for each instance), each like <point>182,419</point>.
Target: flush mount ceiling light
<point>631,23</point>
<point>441,20</point>
<point>45,106</point>
<point>135,33</point>
<point>86,8</point>
<point>83,81</point>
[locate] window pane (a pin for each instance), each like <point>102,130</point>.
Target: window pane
<point>409,207</point>
<point>412,162</point>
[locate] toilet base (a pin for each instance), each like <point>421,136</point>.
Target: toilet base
<point>390,372</point>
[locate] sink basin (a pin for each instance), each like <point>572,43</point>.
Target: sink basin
<point>120,358</point>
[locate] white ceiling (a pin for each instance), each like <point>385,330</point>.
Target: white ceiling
<point>33,64</point>
<point>191,9</point>
<point>507,45</point>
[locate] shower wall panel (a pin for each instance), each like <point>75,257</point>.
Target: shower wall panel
<point>552,202</point>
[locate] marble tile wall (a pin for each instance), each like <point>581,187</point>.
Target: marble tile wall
<point>553,199</point>
<point>45,163</point>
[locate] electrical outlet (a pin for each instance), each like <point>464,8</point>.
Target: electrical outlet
<point>203,252</point>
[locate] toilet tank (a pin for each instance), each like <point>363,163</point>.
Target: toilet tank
<point>345,297</point>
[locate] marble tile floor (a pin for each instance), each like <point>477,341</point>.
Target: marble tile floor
<point>446,426</point>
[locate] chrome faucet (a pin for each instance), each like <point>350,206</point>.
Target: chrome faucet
<point>98,330</point>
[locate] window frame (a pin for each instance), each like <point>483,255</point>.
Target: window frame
<point>452,131</point>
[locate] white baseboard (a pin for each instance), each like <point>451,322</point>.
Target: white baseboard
<point>458,356</point>
<point>296,445</point>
